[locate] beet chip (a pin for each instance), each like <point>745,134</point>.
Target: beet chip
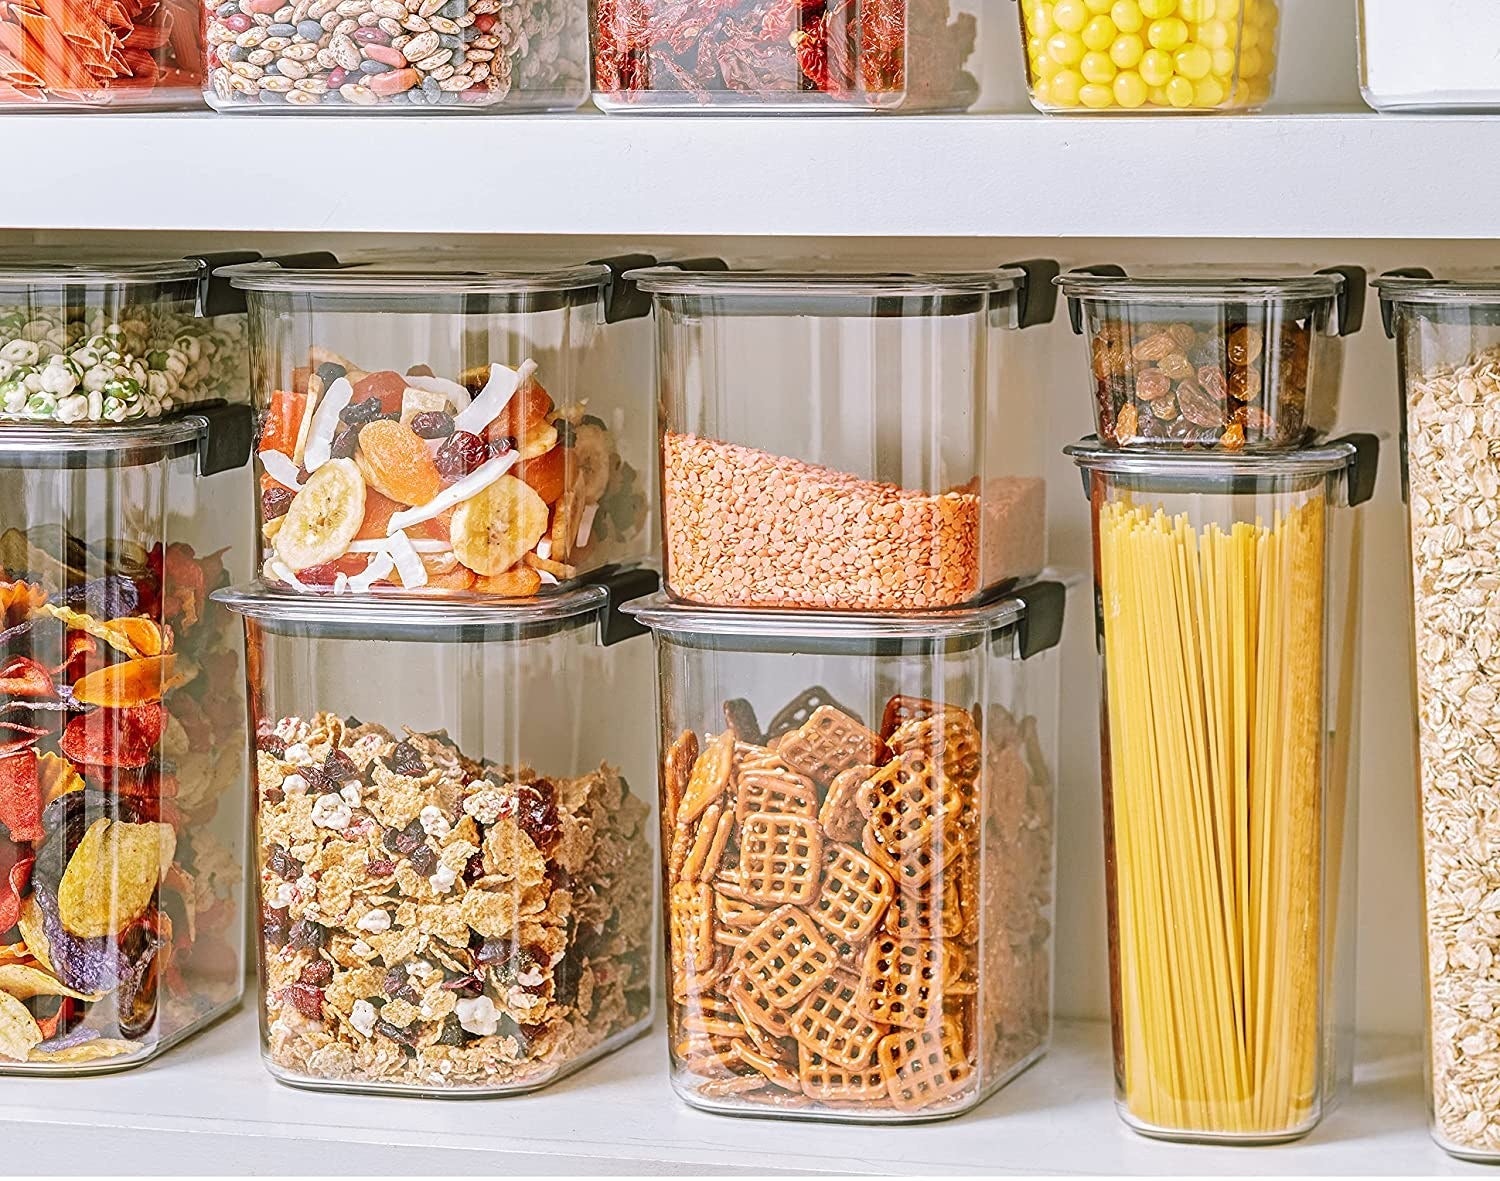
<point>15,872</point>
<point>23,677</point>
<point>21,796</point>
<point>115,737</point>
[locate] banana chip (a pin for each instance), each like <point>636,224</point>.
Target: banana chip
<point>24,982</point>
<point>111,876</point>
<point>19,1032</point>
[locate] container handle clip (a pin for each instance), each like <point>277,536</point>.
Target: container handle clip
<point>1387,307</point>
<point>226,436</point>
<point>1040,627</point>
<point>1351,300</point>
<point>624,584</point>
<point>1105,270</point>
<point>1363,467</point>
<point>1036,298</point>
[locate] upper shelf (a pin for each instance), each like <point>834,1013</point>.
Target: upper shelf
<point>1347,175</point>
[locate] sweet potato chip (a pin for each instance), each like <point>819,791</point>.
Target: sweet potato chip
<point>57,777</point>
<point>131,682</point>
<point>19,1032</point>
<point>115,737</point>
<point>112,875</point>
<point>21,796</point>
<point>23,983</point>
<point>32,935</point>
<point>23,677</point>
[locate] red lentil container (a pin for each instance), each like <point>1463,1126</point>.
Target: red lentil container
<point>876,485</point>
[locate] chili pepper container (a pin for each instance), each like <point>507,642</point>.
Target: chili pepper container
<point>122,737</point>
<point>1168,56</point>
<point>1228,601</point>
<point>456,876</point>
<point>1438,59</point>
<point>442,432</point>
<point>878,484</point>
<point>1204,361</point>
<point>857,825</point>
<point>746,56</point>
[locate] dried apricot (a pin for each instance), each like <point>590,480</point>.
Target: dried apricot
<point>547,473</point>
<point>520,583</point>
<point>397,464</point>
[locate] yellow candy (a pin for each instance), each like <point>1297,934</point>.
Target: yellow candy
<point>1065,86</point>
<point>1039,21</point>
<point>1223,62</point>
<point>1249,36</point>
<point>1096,96</point>
<point>1214,34</point>
<point>1195,10</point>
<point>1044,66</point>
<point>1156,9</point>
<point>1127,51</point>
<point>1097,68</point>
<point>1127,16</point>
<point>1099,33</point>
<point>1098,7</point>
<point>1180,92</point>
<point>1066,49</point>
<point>1157,96</point>
<point>1168,34</point>
<point>1209,92</point>
<point>1193,62</point>
<point>1129,90</point>
<point>1251,63</point>
<point>1227,10</point>
<point>1156,67</point>
<point>1070,15</point>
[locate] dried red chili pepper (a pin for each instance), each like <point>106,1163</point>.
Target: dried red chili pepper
<point>23,677</point>
<point>21,796</point>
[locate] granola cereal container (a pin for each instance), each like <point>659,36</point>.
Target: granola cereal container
<point>877,484</point>
<point>1205,361</point>
<point>122,737</point>
<point>1166,56</point>
<point>456,882</point>
<point>1228,629</point>
<point>857,826</point>
<point>826,56</point>
<point>430,430</point>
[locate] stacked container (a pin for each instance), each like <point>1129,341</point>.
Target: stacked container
<point>1226,571</point>
<point>858,706</point>
<point>1441,58</point>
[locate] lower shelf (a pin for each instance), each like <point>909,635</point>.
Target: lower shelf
<point>620,1116</point>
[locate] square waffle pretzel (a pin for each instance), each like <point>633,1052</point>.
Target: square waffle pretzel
<point>925,1067</point>
<point>775,1071</point>
<point>915,825</point>
<point>829,742</point>
<point>772,789</point>
<point>691,916</point>
<point>828,1024</point>
<point>799,709</point>
<point>903,981</point>
<point>735,912</point>
<point>781,859</point>
<point>831,1083</point>
<point>933,911</point>
<point>755,1010</point>
<point>785,958</point>
<point>839,813</point>
<point>709,778</point>
<point>949,736</point>
<point>855,895</point>
<point>739,716</point>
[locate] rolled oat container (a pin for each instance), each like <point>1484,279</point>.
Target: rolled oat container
<point>1447,334</point>
<point>877,484</point>
<point>440,432</point>
<point>857,825</point>
<point>122,737</point>
<point>456,860</point>
<point>1214,360</point>
<point>1227,590</point>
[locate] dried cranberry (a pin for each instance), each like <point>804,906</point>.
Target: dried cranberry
<point>317,781</point>
<point>275,924</point>
<point>474,869</point>
<point>493,951</point>
<point>319,974</point>
<point>468,986</point>
<point>405,840</point>
<point>423,860</point>
<point>276,502</point>
<point>283,864</point>
<point>306,999</point>
<point>359,413</point>
<point>339,767</point>
<point>432,424</point>
<point>565,433</point>
<point>407,1036</point>
<point>394,982</point>
<point>306,935</point>
<point>537,814</point>
<point>381,869</point>
<point>272,744</point>
<point>406,760</point>
<point>462,454</point>
<point>345,443</point>
<point>303,475</point>
<point>502,445</point>
<point>452,1033</point>
<point>566,976</point>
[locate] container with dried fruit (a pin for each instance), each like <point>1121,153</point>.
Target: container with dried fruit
<point>429,430</point>
<point>456,881</point>
<point>1228,599</point>
<point>878,483</point>
<point>1205,361</point>
<point>786,55</point>
<point>857,831</point>
<point>122,737</point>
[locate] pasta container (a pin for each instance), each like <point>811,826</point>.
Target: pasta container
<point>455,878</point>
<point>844,56</point>
<point>878,483</point>
<point>1447,334</point>
<point>1189,56</point>
<point>122,738</point>
<point>1228,628</point>
<point>1441,58</point>
<point>857,825</point>
<point>1204,361</point>
<point>436,431</point>
<point>462,56</point>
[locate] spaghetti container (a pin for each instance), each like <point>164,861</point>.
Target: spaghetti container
<point>857,826</point>
<point>1228,624</point>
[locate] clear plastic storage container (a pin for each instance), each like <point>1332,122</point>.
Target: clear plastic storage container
<point>826,439</point>
<point>122,738</point>
<point>857,825</point>
<point>1438,55</point>
<point>456,882</point>
<point>1152,55</point>
<point>439,431</point>
<point>416,56</point>
<point>1228,598</point>
<point>1206,361</point>
<point>1447,334</point>
<point>787,55</point>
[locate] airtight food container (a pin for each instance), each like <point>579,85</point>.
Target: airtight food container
<point>1150,55</point>
<point>1228,629</point>
<point>456,843</point>
<point>1206,360</point>
<point>858,842</point>
<point>435,431</point>
<point>1439,57</point>
<point>122,738</point>
<point>809,55</point>
<point>878,484</point>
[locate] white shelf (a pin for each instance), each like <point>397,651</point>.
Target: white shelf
<point>1290,175</point>
<point>620,1116</point>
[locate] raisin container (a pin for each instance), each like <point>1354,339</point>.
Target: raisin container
<point>122,737</point>
<point>877,484</point>
<point>1149,55</point>
<point>456,875</point>
<point>791,55</point>
<point>444,432</point>
<point>1228,628</point>
<point>1204,361</point>
<point>857,826</point>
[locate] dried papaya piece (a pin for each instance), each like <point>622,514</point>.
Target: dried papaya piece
<point>129,683</point>
<point>23,677</point>
<point>21,796</point>
<point>130,635</point>
<point>115,737</point>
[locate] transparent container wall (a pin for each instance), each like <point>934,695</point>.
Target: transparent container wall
<point>456,855</point>
<point>851,56</point>
<point>413,56</point>
<point>1229,640</point>
<point>575,441</point>
<point>1152,55</point>
<point>122,761</point>
<point>1438,58</point>
<point>876,485</point>
<point>113,353</point>
<point>826,966</point>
